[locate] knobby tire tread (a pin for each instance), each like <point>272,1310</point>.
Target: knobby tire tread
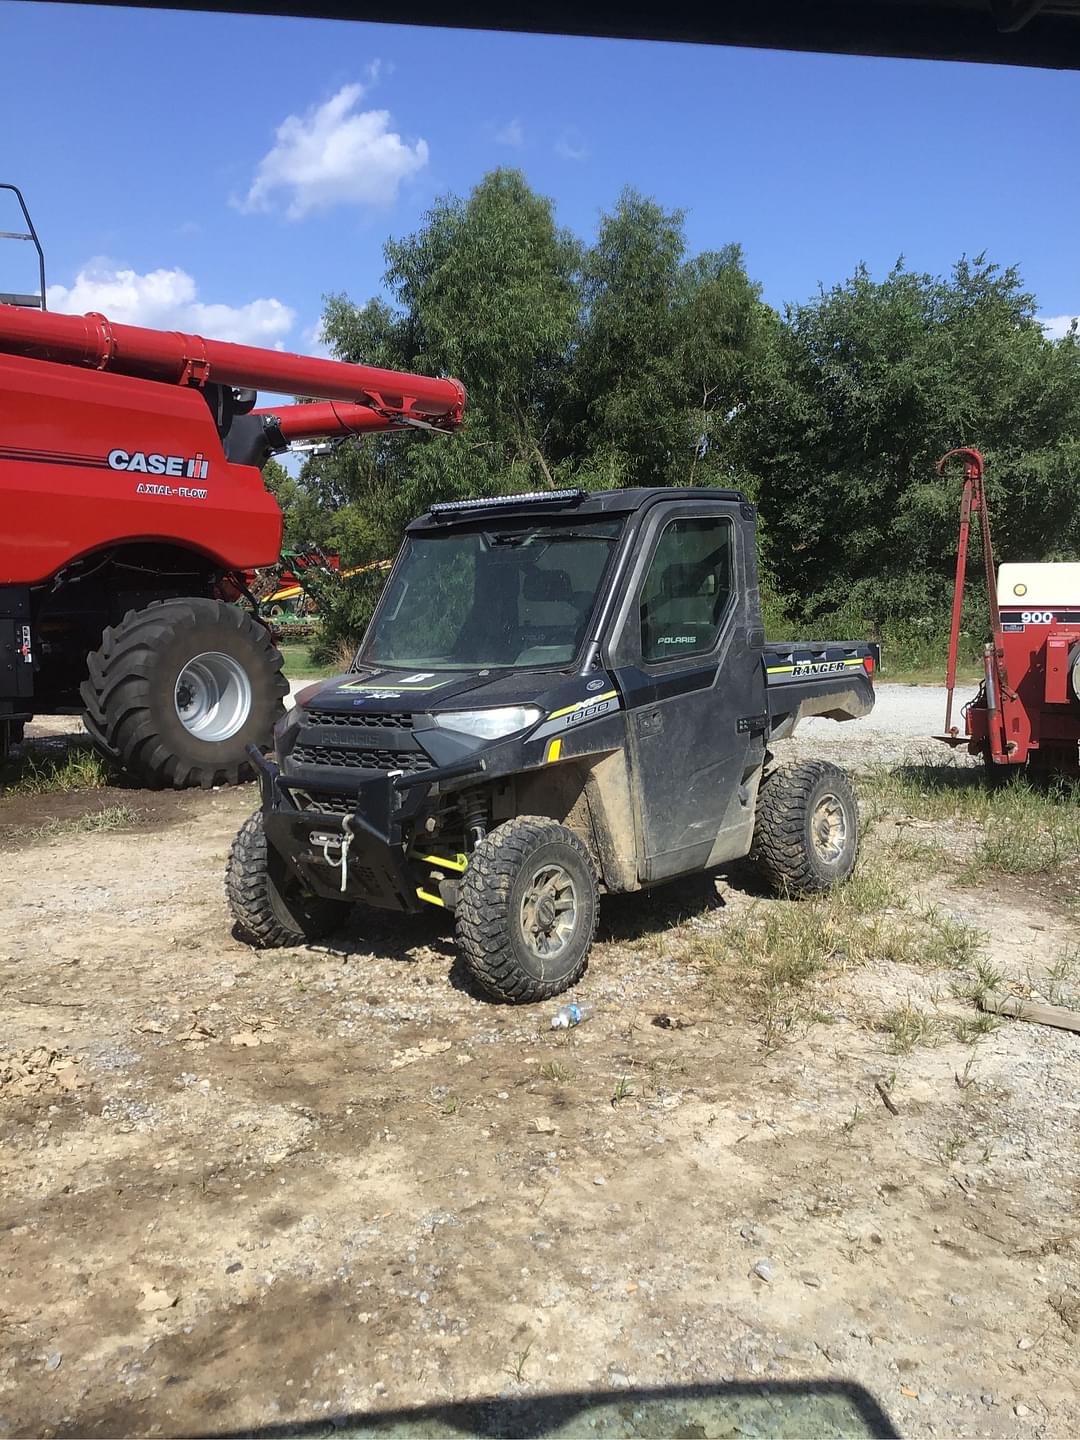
<point>482,912</point>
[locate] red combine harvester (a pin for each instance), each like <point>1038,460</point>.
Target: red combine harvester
<point>133,502</point>
<point>1027,711</point>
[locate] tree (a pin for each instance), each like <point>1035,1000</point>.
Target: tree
<point>485,290</point>
<point>862,390</point>
<point>614,364</point>
<point>632,361</point>
<point>661,355</point>
<point>488,293</point>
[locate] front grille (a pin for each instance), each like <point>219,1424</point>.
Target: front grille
<point>359,721</point>
<point>342,758</point>
<point>323,802</point>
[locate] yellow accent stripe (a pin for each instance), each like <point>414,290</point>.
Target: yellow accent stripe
<point>554,750</point>
<point>577,705</point>
<point>787,669</point>
<point>431,899</point>
<point>443,862</point>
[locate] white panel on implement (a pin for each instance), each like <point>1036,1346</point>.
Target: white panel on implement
<point>1039,585</point>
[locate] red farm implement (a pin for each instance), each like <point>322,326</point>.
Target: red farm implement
<point>1027,710</point>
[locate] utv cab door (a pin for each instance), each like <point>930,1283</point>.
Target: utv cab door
<point>686,654</point>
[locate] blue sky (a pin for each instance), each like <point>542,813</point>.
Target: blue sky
<point>163,168</point>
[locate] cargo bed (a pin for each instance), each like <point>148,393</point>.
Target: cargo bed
<point>809,677</point>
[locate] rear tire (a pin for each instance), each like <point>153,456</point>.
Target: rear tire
<point>179,690</point>
<point>526,913</point>
<point>268,903</point>
<point>806,835</point>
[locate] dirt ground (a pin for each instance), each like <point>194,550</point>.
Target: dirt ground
<point>242,1190</point>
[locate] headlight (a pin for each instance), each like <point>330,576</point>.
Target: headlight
<point>489,724</point>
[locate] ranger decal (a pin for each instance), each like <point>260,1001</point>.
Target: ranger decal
<point>813,667</point>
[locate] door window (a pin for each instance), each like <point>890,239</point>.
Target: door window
<point>688,589</point>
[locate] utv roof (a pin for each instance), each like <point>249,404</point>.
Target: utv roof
<point>542,503</point>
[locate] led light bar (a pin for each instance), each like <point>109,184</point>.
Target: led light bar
<point>535,497</point>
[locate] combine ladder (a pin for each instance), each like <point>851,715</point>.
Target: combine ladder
<point>28,302</point>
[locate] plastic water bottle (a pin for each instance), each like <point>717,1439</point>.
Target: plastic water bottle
<point>570,1015</point>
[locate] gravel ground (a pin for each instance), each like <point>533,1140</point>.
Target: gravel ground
<point>305,1189</point>
<point>900,728</point>
<point>911,711</point>
<point>301,1189</point>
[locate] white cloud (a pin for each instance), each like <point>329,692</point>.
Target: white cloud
<point>570,146</point>
<point>314,342</point>
<point>169,300</point>
<point>511,134</point>
<point>335,155</point>
<point>1055,326</point>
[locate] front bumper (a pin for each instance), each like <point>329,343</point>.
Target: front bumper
<point>374,824</point>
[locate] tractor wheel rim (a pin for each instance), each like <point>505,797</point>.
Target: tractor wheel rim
<point>213,696</point>
<point>549,911</point>
<point>829,828</point>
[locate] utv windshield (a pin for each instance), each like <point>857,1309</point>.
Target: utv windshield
<point>491,599</point>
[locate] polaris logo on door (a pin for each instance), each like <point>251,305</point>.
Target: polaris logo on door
<point>138,462</point>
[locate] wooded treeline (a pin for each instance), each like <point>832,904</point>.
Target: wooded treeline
<point>630,361</point>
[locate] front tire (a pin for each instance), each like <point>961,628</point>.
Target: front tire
<point>526,914</point>
<point>806,836</point>
<point>178,691</point>
<point>268,903</point>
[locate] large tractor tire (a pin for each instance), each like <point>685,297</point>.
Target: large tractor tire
<point>179,690</point>
<point>806,836</point>
<point>268,903</point>
<point>526,913</point>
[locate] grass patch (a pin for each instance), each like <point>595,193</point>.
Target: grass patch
<point>958,792</point>
<point>300,666</point>
<point>928,674</point>
<point>556,1072</point>
<point>1026,829</point>
<point>952,1147</point>
<point>950,943</point>
<point>982,981</point>
<point>1059,987</point>
<point>94,822</point>
<point>922,856</point>
<point>972,1028</point>
<point>907,1026</point>
<point>777,955</point>
<point>872,887</point>
<point>1033,839</point>
<point>51,772</point>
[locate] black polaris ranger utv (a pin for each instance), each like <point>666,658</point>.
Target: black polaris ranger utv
<point>557,694</point>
